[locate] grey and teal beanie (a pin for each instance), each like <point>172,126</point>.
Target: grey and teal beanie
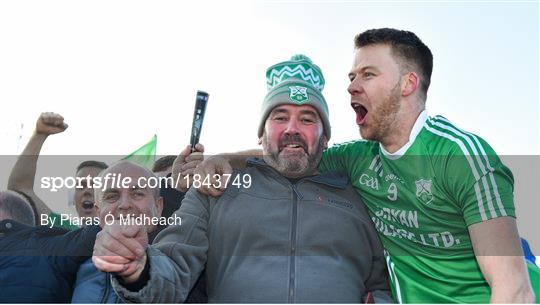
<point>297,81</point>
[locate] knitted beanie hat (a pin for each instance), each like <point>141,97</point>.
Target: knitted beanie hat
<point>297,81</point>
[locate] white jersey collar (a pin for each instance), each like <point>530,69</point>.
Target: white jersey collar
<point>417,127</point>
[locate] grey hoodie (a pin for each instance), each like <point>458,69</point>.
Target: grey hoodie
<point>274,242</point>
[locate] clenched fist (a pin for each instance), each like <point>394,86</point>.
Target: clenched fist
<point>121,249</point>
<point>50,123</point>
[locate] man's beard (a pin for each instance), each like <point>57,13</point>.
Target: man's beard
<point>384,115</point>
<point>297,165</point>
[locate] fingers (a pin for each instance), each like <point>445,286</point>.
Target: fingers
<point>195,156</point>
<point>193,163</point>
<point>104,265</point>
<point>214,191</point>
<point>182,156</point>
<point>118,246</point>
<point>213,168</point>
<point>185,164</point>
<point>135,238</point>
<point>226,168</point>
<point>199,147</point>
<point>53,119</point>
<point>111,242</point>
<point>50,123</point>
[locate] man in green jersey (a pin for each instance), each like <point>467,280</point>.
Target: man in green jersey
<point>440,198</point>
<point>438,195</point>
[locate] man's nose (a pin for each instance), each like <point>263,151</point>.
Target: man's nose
<point>124,202</point>
<point>355,87</point>
<point>292,127</point>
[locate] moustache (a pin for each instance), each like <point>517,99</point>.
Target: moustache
<point>292,140</point>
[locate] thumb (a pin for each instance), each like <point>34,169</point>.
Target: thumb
<point>133,231</point>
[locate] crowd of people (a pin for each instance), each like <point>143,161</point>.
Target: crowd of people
<point>418,211</point>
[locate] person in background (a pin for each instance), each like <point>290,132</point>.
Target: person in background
<point>23,174</point>
<point>38,264</point>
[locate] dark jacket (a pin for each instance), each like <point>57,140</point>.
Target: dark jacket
<point>39,264</point>
<point>93,286</point>
<point>272,242</point>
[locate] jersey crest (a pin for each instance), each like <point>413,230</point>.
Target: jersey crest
<point>423,190</point>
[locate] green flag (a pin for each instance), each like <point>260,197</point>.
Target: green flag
<point>144,155</point>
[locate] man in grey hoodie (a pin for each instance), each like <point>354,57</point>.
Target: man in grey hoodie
<point>283,233</point>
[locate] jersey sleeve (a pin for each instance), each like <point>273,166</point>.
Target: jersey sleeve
<point>342,157</point>
<point>480,183</point>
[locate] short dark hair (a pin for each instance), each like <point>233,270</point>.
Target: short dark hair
<point>16,207</point>
<point>405,45</point>
<point>92,163</point>
<point>163,163</point>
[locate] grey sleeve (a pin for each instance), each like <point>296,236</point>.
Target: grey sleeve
<point>378,282</point>
<point>177,256</point>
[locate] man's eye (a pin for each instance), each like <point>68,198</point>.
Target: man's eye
<point>279,118</point>
<point>308,121</point>
<point>138,194</point>
<point>110,197</point>
<point>368,74</point>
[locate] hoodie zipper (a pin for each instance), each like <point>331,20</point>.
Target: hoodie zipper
<point>296,195</point>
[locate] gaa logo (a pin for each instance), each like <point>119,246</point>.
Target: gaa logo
<point>298,94</point>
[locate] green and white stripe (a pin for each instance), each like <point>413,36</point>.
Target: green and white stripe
<point>479,163</point>
<point>393,277</point>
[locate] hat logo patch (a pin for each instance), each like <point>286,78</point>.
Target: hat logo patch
<point>298,94</point>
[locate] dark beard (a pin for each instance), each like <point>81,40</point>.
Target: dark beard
<point>386,114</point>
<point>291,166</point>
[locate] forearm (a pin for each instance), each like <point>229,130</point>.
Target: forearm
<point>514,286</point>
<point>238,159</point>
<point>512,293</point>
<point>501,260</point>
<point>23,174</point>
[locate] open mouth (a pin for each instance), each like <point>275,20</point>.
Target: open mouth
<point>87,205</point>
<point>293,147</point>
<point>361,113</point>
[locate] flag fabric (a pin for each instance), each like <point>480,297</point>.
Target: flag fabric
<point>144,155</point>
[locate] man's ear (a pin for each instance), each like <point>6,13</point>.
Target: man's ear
<point>260,141</point>
<point>159,205</point>
<point>409,84</point>
<point>325,142</point>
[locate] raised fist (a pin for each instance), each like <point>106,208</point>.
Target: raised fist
<point>50,123</point>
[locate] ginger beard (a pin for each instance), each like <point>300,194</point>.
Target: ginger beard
<point>383,116</point>
<point>292,164</point>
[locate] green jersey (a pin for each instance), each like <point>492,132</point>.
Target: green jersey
<point>422,199</point>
